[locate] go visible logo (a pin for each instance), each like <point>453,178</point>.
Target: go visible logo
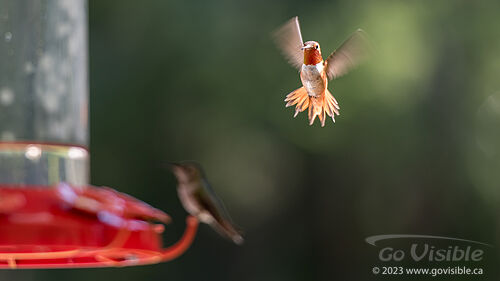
<point>465,250</point>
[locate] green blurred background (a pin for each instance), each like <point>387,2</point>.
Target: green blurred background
<point>416,148</point>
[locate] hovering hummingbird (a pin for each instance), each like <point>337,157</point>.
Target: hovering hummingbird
<point>199,199</point>
<point>315,72</point>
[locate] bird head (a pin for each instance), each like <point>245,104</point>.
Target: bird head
<point>312,53</point>
<point>187,171</point>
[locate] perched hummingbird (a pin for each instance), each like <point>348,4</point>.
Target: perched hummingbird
<point>315,72</point>
<point>199,199</point>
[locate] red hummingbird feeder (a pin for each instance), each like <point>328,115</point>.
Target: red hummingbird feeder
<point>50,217</point>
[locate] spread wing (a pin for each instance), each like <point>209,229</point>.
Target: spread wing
<point>352,52</point>
<point>289,40</point>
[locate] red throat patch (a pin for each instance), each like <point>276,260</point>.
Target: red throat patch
<point>312,56</point>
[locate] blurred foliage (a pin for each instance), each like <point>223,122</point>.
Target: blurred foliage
<point>416,148</point>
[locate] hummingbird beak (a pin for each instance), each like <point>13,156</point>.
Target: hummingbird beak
<point>306,47</point>
<point>309,45</point>
<point>174,166</point>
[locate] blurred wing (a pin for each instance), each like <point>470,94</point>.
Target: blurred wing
<point>222,223</point>
<point>289,40</point>
<point>352,52</point>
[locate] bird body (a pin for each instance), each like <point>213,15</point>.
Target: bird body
<point>199,199</point>
<point>186,194</point>
<point>314,79</point>
<point>316,72</point>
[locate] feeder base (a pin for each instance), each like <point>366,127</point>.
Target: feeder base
<point>67,227</point>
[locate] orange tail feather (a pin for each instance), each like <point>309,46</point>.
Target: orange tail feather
<point>318,106</point>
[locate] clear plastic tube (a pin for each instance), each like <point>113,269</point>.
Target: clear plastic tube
<point>43,92</point>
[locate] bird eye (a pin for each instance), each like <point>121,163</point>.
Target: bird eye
<point>317,46</point>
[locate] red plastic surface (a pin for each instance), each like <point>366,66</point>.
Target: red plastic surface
<point>63,226</point>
